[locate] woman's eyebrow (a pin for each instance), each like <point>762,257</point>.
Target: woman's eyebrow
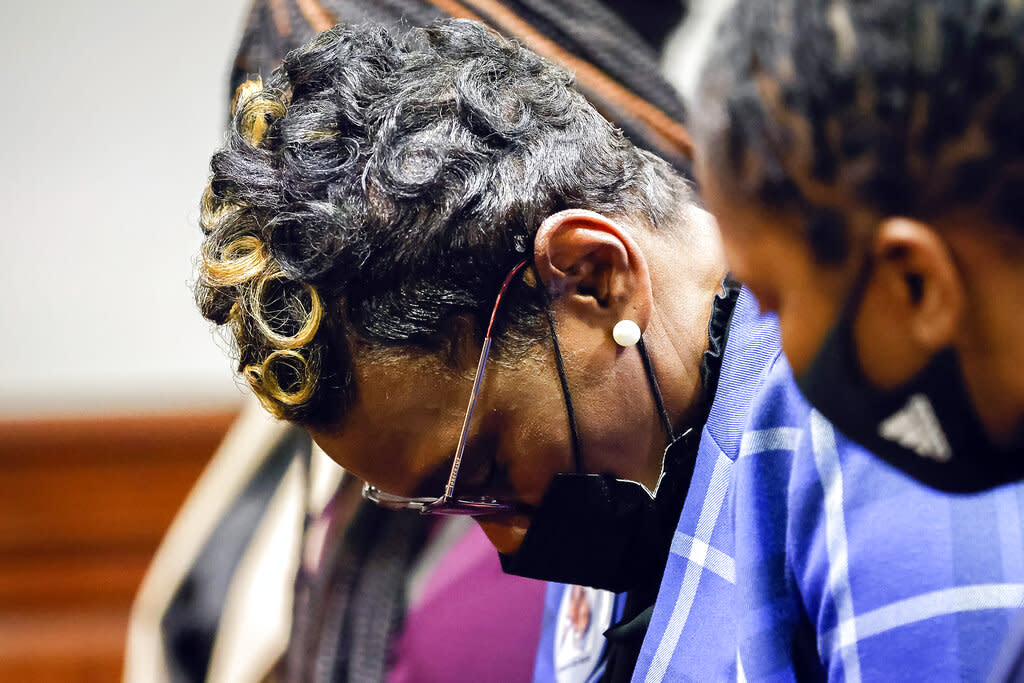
<point>433,484</point>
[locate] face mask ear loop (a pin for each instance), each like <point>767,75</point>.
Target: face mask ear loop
<point>577,452</point>
<point>666,422</point>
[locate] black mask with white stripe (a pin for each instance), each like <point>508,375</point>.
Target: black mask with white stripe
<point>927,427</point>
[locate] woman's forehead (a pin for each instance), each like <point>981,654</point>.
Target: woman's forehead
<point>405,419</point>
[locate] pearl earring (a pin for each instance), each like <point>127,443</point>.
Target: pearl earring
<point>626,333</point>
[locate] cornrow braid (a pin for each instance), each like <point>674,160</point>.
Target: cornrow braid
<point>612,45</point>
<point>846,111</point>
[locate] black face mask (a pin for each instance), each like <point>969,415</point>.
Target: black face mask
<point>927,428</point>
<point>600,531</point>
<point>596,530</point>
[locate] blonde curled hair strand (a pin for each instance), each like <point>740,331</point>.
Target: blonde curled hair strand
<point>310,324</point>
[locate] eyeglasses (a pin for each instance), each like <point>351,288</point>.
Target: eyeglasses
<point>447,503</point>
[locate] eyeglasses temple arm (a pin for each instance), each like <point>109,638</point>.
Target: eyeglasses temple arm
<point>449,489</point>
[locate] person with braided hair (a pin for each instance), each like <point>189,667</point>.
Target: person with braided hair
<point>864,160</point>
<point>393,209</point>
<point>613,46</point>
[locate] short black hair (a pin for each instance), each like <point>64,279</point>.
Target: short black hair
<point>902,107</point>
<point>377,188</point>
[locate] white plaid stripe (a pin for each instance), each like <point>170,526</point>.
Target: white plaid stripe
<point>741,676</point>
<point>826,459</point>
<point>699,552</point>
<point>709,513</point>
<point>776,439</point>
<point>927,606</point>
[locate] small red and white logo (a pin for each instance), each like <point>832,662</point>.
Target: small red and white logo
<point>583,616</point>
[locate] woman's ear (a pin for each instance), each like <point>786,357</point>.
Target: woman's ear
<point>590,264</point>
<point>922,280</point>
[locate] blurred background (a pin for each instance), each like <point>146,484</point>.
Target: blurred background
<point>113,393</point>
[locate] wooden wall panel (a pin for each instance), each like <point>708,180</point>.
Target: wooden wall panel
<point>83,506</point>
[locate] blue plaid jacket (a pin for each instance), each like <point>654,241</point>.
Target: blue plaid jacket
<point>798,555</point>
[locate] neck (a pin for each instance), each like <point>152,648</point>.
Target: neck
<point>992,360</point>
<point>991,354</point>
<point>685,284</point>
